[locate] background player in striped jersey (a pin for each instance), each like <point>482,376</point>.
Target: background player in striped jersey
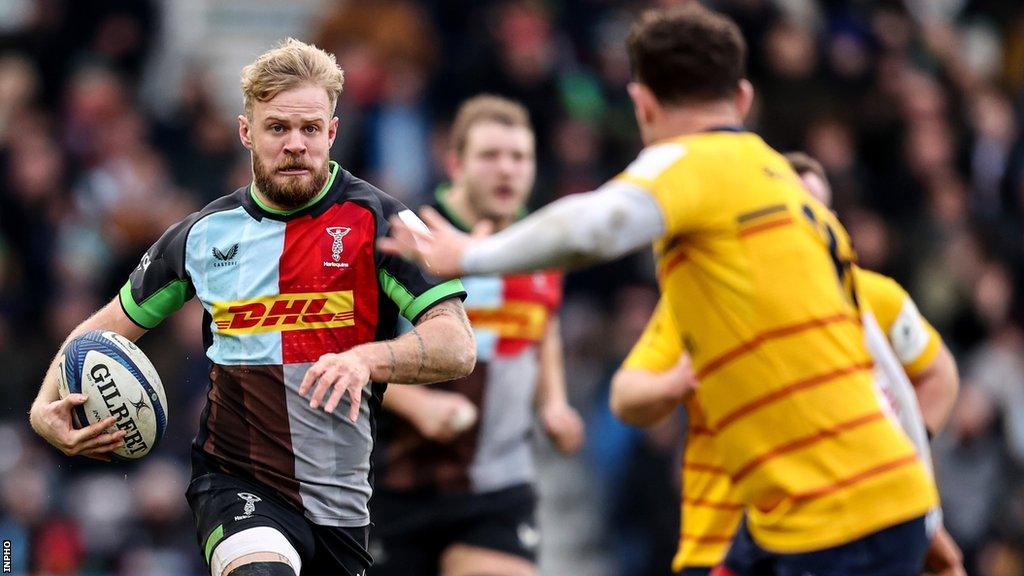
<point>758,279</point>
<point>300,317</point>
<point>657,376</point>
<point>459,500</point>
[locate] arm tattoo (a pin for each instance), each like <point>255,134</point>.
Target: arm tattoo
<point>394,361</point>
<point>423,352</point>
<point>448,308</point>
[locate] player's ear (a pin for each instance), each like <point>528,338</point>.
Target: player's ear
<point>453,164</point>
<point>243,131</point>
<point>644,103</point>
<point>744,97</point>
<point>332,131</point>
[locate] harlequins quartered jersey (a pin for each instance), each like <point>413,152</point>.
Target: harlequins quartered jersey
<point>510,316</point>
<point>280,289</point>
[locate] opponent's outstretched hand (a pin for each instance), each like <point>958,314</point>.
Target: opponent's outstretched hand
<point>437,249</point>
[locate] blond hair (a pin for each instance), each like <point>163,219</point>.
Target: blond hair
<point>291,64</point>
<point>486,108</point>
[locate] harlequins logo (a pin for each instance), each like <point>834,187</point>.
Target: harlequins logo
<point>225,258</point>
<point>337,247</point>
<point>250,505</point>
<point>337,232</point>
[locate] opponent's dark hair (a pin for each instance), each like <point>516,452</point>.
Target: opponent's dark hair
<point>686,54</point>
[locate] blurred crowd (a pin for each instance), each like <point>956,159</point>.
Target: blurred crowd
<point>914,107</point>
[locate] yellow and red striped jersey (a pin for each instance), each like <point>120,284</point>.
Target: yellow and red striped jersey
<point>756,278</point>
<point>710,511</point>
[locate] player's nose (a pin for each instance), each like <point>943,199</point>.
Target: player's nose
<point>295,144</point>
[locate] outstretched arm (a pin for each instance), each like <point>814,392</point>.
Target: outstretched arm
<point>440,347</point>
<point>573,232</point>
<point>51,417</point>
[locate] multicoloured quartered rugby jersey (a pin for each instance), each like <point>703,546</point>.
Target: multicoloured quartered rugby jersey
<point>510,317</point>
<point>280,289</point>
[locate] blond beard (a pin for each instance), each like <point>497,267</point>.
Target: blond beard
<point>294,193</point>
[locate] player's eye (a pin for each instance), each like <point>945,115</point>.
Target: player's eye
<point>312,129</point>
<point>277,128</point>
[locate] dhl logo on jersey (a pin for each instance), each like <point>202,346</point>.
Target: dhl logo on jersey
<point>285,312</point>
<point>517,320</point>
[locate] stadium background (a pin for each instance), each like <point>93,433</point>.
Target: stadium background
<point>117,118</point>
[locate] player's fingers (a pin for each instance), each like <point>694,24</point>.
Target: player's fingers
<point>311,376</point>
<point>103,443</point>
<point>355,394</point>
<point>74,399</point>
<point>99,457</point>
<point>336,395</point>
<point>91,431</point>
<point>323,384</point>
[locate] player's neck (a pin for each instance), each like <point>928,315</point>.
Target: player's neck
<point>457,200</point>
<point>692,119</point>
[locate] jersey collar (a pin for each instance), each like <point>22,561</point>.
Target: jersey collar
<point>441,197</point>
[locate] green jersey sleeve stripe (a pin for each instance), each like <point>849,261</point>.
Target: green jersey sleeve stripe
<point>395,290</point>
<point>215,537</point>
<point>152,311</point>
<point>433,296</point>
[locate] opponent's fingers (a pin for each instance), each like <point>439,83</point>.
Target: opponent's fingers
<point>91,431</point>
<point>434,221</point>
<point>396,247</point>
<point>483,229</point>
<point>401,231</point>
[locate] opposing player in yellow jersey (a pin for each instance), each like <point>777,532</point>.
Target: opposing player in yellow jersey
<point>657,376</point>
<point>756,276</point>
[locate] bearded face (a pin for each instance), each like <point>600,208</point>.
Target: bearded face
<point>290,139</point>
<point>290,184</point>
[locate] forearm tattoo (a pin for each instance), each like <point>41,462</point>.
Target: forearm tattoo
<point>452,310</point>
<point>423,352</point>
<point>393,365</point>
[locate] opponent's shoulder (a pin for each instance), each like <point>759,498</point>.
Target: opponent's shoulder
<point>879,289</point>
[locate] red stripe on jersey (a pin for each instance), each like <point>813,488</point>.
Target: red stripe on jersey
<point>331,253</point>
<point>543,288</point>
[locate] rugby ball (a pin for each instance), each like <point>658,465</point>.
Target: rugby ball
<point>120,381</point>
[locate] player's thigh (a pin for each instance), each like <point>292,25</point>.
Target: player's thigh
<point>467,560</point>
<point>236,518</point>
<point>260,551</point>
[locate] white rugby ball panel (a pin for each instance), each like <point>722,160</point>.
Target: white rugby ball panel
<point>120,381</point>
